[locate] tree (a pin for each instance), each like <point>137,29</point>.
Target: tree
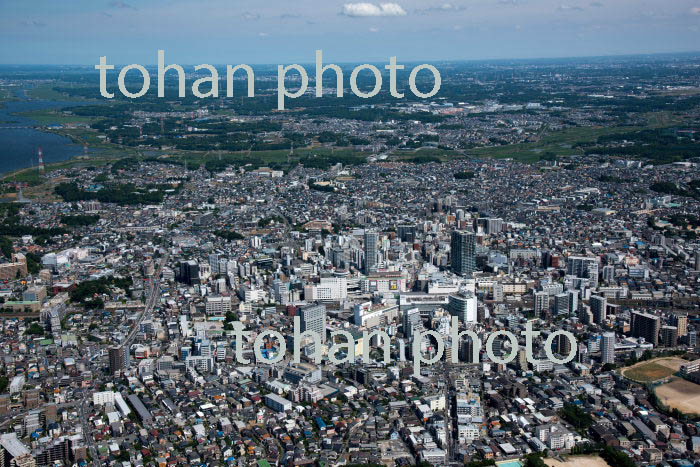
<point>578,417</point>
<point>35,329</point>
<point>6,247</point>
<point>534,460</point>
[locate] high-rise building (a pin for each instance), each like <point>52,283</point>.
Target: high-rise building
<point>609,273</point>
<point>313,318</point>
<point>541,302</point>
<point>566,303</point>
<point>583,267</point>
<point>562,345</point>
<point>189,272</point>
<point>680,320</point>
<point>647,326</point>
<point>599,307</point>
<point>464,306</point>
<point>463,246</point>
<point>608,348</point>
<point>669,336</point>
<point>118,358</point>
<point>371,239</point>
<point>412,322</point>
<point>406,233</point>
<point>214,263</point>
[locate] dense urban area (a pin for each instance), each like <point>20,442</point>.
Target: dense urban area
<point>151,287</point>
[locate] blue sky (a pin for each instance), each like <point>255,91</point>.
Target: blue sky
<point>283,31</point>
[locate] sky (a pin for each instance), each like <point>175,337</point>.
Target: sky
<point>78,32</point>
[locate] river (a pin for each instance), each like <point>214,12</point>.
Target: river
<point>20,141</point>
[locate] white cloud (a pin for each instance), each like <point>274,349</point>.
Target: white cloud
<point>373,29</point>
<point>445,7</point>
<point>370,9</point>
<point>570,8</point>
<point>248,16</point>
<point>696,10</point>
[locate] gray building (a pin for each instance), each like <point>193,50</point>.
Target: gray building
<point>463,246</point>
<point>371,239</point>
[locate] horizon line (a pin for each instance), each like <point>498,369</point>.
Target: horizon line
<point>460,60</point>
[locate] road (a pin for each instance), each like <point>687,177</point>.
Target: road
<point>153,293</point>
<point>450,427</point>
<point>87,434</point>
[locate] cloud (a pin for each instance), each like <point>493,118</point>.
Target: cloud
<point>33,23</point>
<point>248,16</point>
<point>570,8</point>
<point>370,9</point>
<point>373,29</point>
<point>122,5</point>
<point>696,10</point>
<point>263,34</point>
<point>445,7</point>
<point>597,4</point>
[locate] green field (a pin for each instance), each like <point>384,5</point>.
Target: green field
<point>653,370</point>
<point>442,154</point>
<point>559,142</point>
<point>45,92</point>
<point>51,117</point>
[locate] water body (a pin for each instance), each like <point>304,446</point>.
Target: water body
<point>20,141</point>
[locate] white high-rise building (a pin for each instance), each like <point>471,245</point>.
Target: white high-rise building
<point>608,348</point>
<point>464,306</point>
<point>329,289</point>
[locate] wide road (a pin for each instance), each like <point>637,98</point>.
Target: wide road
<point>153,293</point>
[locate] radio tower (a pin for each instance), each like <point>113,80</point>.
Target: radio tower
<point>41,160</point>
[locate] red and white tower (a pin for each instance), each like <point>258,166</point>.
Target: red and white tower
<point>41,160</point>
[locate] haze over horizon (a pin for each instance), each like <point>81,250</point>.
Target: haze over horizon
<point>217,31</point>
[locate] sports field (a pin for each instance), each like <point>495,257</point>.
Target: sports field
<point>578,461</point>
<point>653,370</point>
<point>680,394</point>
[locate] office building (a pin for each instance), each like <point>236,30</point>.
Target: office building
<point>412,322</point>
<point>371,239</point>
<point>464,306</point>
<point>406,233</point>
<point>313,318</point>
<point>463,246</point>
<point>189,272</point>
